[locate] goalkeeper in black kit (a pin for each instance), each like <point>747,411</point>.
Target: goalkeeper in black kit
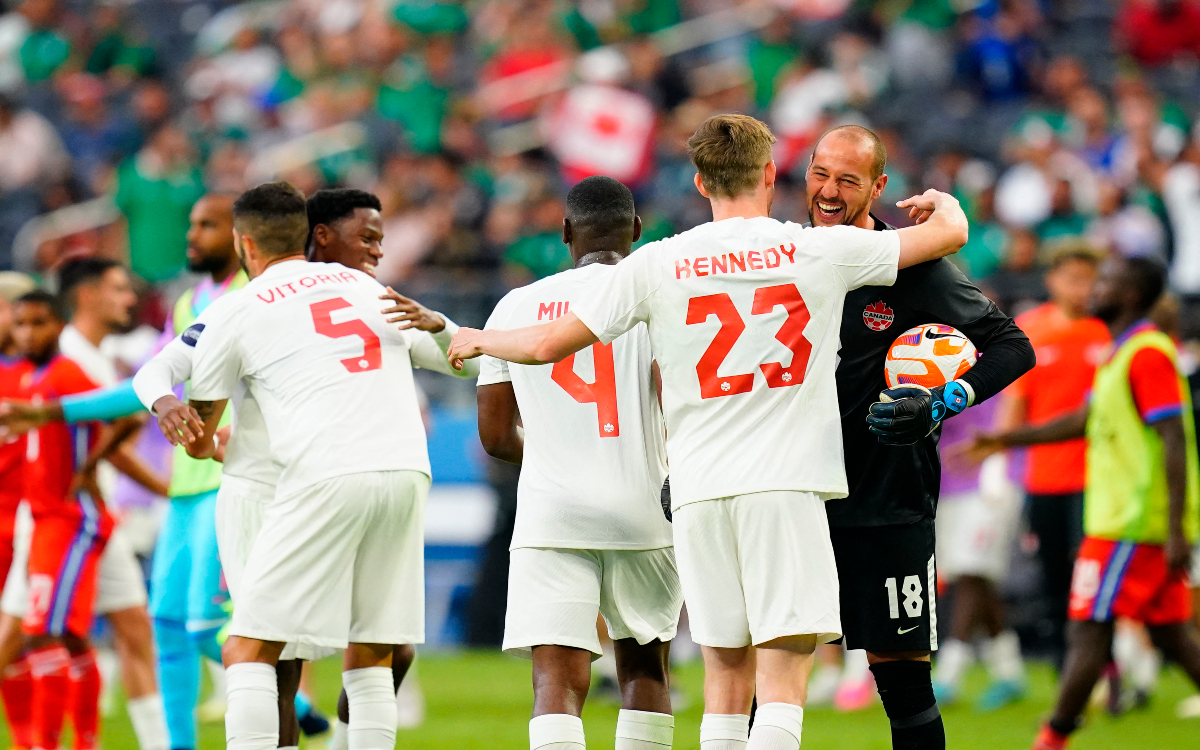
<point>883,532</point>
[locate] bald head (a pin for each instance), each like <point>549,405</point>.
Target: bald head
<point>857,137</point>
<point>210,235</point>
<point>845,176</point>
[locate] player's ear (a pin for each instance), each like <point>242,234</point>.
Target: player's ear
<point>880,184</point>
<point>700,185</point>
<point>566,231</point>
<point>637,227</point>
<point>769,174</point>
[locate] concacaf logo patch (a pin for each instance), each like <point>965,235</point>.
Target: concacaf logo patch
<point>878,316</point>
<point>192,335</point>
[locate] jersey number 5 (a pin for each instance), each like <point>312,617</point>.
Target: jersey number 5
<point>790,334</point>
<point>603,392</point>
<point>372,357</point>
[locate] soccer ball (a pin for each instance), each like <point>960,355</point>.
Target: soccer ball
<point>928,355</point>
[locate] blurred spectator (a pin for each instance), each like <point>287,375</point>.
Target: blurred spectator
<point>540,251</point>
<point>1000,58</point>
<point>96,138</point>
<point>1157,32</point>
<point>770,55</point>
<point>155,191</point>
<point>31,157</point>
<point>1181,194</point>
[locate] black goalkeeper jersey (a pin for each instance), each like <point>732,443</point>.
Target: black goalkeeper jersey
<point>899,484</point>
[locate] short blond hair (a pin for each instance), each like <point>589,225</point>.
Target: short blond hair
<point>730,152</point>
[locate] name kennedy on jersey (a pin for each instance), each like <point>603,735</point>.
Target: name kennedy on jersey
<point>278,293</point>
<point>714,265</point>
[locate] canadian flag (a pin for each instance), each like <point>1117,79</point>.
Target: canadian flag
<point>606,130</point>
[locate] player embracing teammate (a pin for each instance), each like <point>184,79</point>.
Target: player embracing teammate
<point>743,316</point>
<point>883,529</point>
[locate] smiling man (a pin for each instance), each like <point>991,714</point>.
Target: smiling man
<point>882,532</point>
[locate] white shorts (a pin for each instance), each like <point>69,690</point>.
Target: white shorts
<point>15,597</point>
<point>120,583</point>
<point>341,561</point>
<point>241,504</point>
<point>757,567</point>
<point>976,530</point>
<point>554,595</point>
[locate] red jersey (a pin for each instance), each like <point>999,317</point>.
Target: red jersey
<point>55,452</point>
<point>13,370</point>
<point>1067,354</point>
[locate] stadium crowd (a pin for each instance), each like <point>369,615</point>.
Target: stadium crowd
<point>1065,128</point>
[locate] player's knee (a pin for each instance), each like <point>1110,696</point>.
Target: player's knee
<point>650,662</point>
<point>172,639</point>
<point>403,657</point>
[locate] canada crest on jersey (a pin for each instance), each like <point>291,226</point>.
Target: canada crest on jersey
<point>878,316</point>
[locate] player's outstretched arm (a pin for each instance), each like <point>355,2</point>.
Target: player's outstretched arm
<point>941,228</point>
<point>205,446</point>
<point>1170,430</point>
<point>984,444</point>
<point>533,345</point>
<point>19,417</point>
<point>499,414</point>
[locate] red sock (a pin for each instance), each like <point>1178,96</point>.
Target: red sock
<point>48,667</point>
<point>1048,739</point>
<point>16,688</point>
<point>85,699</point>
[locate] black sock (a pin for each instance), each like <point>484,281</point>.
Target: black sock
<point>906,688</point>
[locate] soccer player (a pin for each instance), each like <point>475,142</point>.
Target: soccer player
<point>15,681</point>
<point>590,535</point>
<point>1069,342</point>
<point>743,315</point>
<point>338,559</point>
<point>71,526</point>
<point>1142,501</point>
<point>883,529</point>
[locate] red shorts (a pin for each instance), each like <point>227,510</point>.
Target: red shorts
<point>64,558</point>
<point>1127,579</point>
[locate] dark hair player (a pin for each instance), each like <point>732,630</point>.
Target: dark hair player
<point>883,532</point>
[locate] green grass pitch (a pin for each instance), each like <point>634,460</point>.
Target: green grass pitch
<point>481,701</point>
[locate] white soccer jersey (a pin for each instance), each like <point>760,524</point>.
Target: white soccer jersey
<point>333,379</point>
<point>247,454</point>
<point>594,460</point>
<point>744,317</point>
<point>95,363</point>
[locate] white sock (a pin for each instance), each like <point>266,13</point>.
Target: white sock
<point>1002,655</point>
<point>109,665</point>
<point>953,660</point>
<point>855,667</point>
<point>556,732</point>
<point>644,730</point>
<point>149,720</point>
<point>724,732</point>
<point>1138,661</point>
<point>252,722</point>
<point>290,747</point>
<point>372,708</point>
<point>777,727</point>
<point>216,675</point>
<point>339,740</point>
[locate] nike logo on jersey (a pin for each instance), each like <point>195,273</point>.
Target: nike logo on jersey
<point>909,630</point>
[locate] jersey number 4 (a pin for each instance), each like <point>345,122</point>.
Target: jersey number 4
<point>372,356</point>
<point>790,334</point>
<point>602,392</point>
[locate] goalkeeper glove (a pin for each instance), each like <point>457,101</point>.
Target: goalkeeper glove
<point>907,413</point>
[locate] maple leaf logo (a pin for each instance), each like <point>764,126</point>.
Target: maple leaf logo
<point>878,317</point>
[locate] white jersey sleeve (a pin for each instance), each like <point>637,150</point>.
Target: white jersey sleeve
<point>429,351</point>
<point>491,369</point>
<point>594,459</point>
<point>171,366</point>
<point>861,257</point>
<point>621,299</point>
<point>217,360</point>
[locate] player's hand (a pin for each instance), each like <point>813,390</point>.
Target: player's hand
<point>412,314</point>
<point>466,344</point>
<point>1177,551</point>
<point>19,417</point>
<point>180,424</point>
<point>222,441</point>
<point>904,415</point>
<point>921,207</point>
<point>973,452</point>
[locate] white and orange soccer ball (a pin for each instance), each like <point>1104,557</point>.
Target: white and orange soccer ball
<point>928,355</point>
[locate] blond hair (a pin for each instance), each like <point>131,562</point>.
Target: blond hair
<point>730,152</point>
